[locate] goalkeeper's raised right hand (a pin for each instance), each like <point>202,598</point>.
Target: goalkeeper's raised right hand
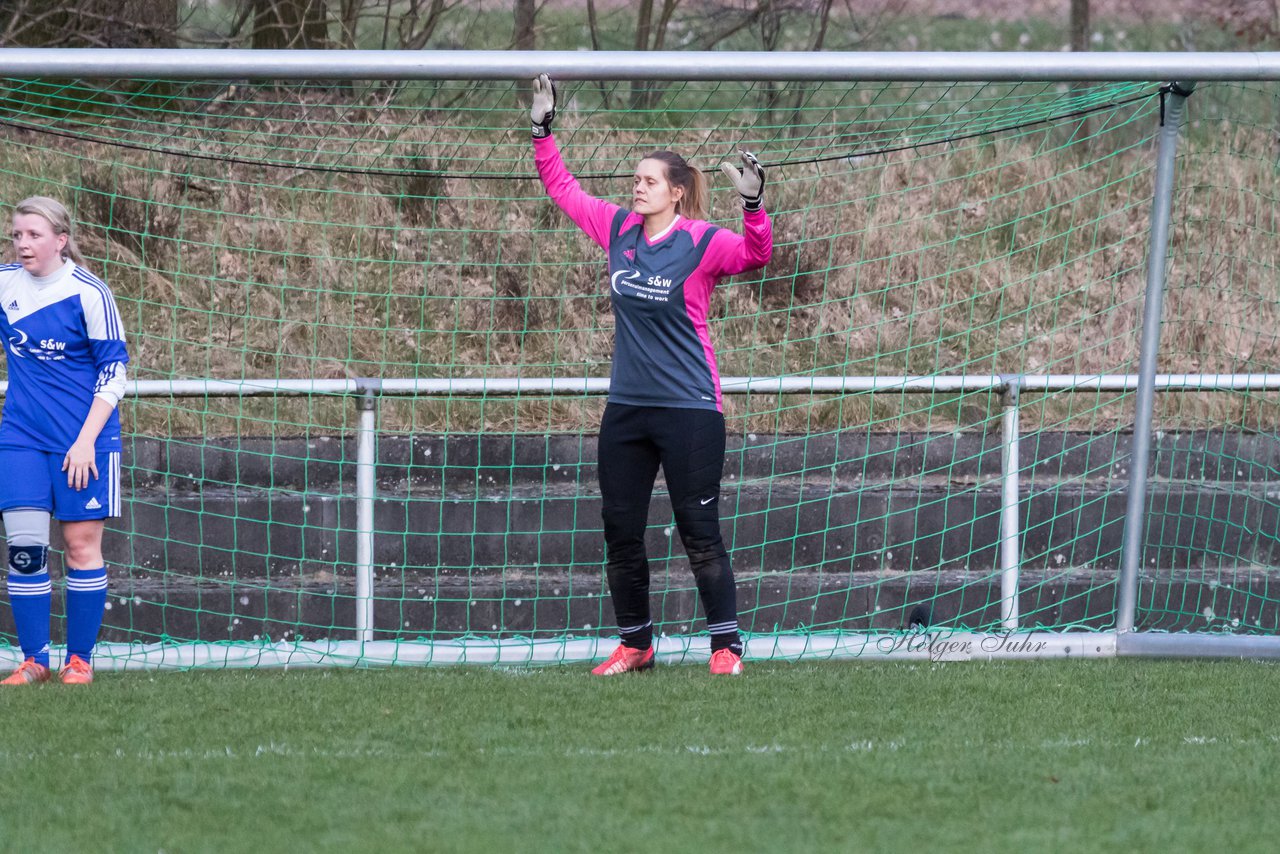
<point>543,112</point>
<point>749,182</point>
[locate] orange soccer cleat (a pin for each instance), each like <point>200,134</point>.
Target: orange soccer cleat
<point>724,662</point>
<point>28,673</point>
<point>76,671</point>
<point>626,660</point>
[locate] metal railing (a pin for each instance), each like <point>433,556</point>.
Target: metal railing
<point>1011,388</point>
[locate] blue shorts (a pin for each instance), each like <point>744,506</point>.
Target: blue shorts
<point>32,479</point>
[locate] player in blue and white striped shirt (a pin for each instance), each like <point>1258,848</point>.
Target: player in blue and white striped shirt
<point>59,435</point>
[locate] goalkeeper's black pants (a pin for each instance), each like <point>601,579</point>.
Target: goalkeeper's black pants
<point>689,445</point>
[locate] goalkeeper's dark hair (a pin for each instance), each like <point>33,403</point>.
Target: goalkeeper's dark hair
<point>55,213</point>
<point>693,204</point>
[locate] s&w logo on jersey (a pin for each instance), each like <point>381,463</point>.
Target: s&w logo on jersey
<point>624,277</point>
<point>46,349</point>
<point>16,341</point>
<point>49,350</point>
<point>654,289</point>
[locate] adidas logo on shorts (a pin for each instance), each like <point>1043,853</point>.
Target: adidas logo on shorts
<point>93,505</point>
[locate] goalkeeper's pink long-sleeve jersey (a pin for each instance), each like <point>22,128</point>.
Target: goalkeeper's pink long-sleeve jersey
<point>660,289</point>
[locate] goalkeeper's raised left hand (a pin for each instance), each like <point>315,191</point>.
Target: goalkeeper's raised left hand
<point>750,181</point>
<point>543,111</point>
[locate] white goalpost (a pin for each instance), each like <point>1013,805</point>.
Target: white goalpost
<point>1013,367</point>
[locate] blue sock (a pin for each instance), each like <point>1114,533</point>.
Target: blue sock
<point>31,596</point>
<point>86,600</point>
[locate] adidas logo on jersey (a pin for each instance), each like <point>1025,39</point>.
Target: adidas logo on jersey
<point>93,505</point>
<point>13,306</point>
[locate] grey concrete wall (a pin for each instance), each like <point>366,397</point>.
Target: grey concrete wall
<point>253,537</point>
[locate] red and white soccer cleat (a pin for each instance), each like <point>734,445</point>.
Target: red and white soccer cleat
<point>28,673</point>
<point>626,660</point>
<point>725,663</point>
<point>76,671</point>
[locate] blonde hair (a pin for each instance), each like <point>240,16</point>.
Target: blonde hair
<point>693,204</point>
<point>57,216</point>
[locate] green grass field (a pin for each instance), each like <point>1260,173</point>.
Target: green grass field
<point>1046,756</point>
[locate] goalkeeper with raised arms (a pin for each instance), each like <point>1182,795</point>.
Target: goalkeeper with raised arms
<point>664,406</point>
<point>59,435</point>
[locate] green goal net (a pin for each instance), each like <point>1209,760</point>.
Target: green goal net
<point>319,247</point>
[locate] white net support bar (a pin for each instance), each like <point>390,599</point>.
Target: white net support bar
<point>942,66</point>
<point>674,649</point>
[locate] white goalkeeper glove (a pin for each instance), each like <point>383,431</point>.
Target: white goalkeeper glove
<point>750,181</point>
<point>543,111</point>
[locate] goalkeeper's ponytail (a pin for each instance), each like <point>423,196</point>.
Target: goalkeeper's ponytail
<point>693,204</point>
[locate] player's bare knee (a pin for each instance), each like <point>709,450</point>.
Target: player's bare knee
<point>83,555</point>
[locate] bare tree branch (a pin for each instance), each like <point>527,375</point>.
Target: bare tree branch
<point>90,23</point>
<point>594,28</point>
<point>644,18</point>
<point>819,41</point>
<point>282,24</point>
<point>349,21</point>
<point>415,30</point>
<point>525,12</point>
<point>664,21</point>
<point>732,28</point>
